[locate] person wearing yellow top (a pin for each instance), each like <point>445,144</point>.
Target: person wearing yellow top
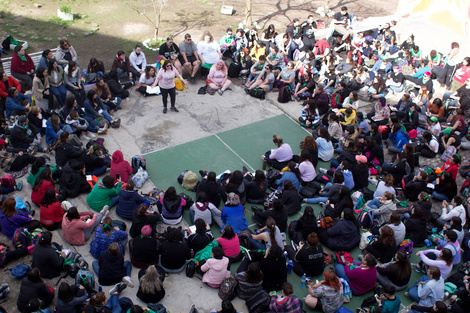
<point>258,50</point>
<point>349,116</point>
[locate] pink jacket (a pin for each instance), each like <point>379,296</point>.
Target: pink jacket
<point>72,231</point>
<point>120,166</point>
<point>216,271</point>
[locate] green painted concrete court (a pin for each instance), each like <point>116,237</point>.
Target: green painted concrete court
<point>231,150</point>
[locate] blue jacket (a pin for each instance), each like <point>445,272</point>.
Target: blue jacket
<point>101,242</point>
<point>90,110</point>
<point>288,176</point>
<point>51,134</point>
<point>235,217</point>
<point>348,179</point>
<point>399,139</point>
<point>129,201</point>
<point>14,104</point>
<point>420,72</point>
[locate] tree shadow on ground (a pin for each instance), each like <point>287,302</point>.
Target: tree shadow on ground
<point>189,20</point>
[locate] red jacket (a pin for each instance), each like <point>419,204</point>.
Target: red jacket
<point>36,196</point>
<point>120,166</point>
<point>20,66</point>
<point>11,83</point>
<point>51,214</point>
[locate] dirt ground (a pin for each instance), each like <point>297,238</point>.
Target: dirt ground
<point>121,27</point>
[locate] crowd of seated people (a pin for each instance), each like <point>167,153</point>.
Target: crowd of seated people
<point>328,77</point>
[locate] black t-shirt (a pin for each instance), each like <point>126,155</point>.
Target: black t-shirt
<point>293,31</point>
<point>398,78</point>
<point>168,52</point>
<point>331,77</point>
<point>308,30</point>
<point>311,260</point>
<point>340,17</point>
<point>463,91</point>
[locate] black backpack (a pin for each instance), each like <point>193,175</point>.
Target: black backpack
<point>285,94</point>
<point>234,69</point>
<point>259,93</point>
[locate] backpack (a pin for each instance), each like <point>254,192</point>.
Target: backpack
<point>366,219</point>
<point>7,181</point>
<point>190,269</point>
<point>154,196</point>
<point>406,246</point>
<point>285,94</point>
<point>258,302</point>
<point>448,153</point>
<point>423,121</point>
<point>234,69</point>
<point>268,201</point>
<point>85,278</point>
<point>136,162</point>
<point>188,199</point>
<point>335,101</point>
<point>342,257</point>
<point>259,93</point>
<point>20,271</point>
<point>140,177</point>
<point>21,238</point>
<point>157,307</point>
<point>190,181</point>
<point>244,238</point>
<point>74,263</point>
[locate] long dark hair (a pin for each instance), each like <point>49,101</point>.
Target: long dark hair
<point>260,179</point>
<point>293,168</point>
<point>323,132</point>
<point>65,292</point>
<point>404,266</point>
<point>72,214</point>
<point>170,194</point>
<point>308,214</point>
<point>271,227</point>
<point>49,198</point>
<point>254,274</point>
<point>40,162</point>
<point>349,216</point>
<point>46,174</point>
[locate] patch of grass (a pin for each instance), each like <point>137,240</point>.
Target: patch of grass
<point>57,20</point>
<point>156,43</point>
<point>66,9</point>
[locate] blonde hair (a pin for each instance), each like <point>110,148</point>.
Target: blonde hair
<point>150,282</point>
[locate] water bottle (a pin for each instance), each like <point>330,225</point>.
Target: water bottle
<point>284,254</point>
<point>427,242</point>
<point>303,280</point>
<point>290,266</point>
<point>100,288</point>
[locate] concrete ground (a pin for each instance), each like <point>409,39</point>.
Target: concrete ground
<point>144,128</point>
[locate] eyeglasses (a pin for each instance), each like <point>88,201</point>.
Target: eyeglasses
<point>188,39</point>
<point>230,34</point>
<point>169,65</point>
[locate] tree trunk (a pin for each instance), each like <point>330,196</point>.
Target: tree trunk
<point>327,6</point>
<point>249,9</point>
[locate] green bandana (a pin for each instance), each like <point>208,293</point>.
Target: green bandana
<point>22,57</point>
<point>107,226</point>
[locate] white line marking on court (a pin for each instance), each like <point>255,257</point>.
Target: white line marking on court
<point>216,136</point>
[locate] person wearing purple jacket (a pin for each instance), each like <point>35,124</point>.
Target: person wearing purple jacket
<point>279,157</point>
<point>11,219</point>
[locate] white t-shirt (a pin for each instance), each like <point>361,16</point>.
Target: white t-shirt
<point>434,145</point>
<point>209,51</point>
<point>437,127</point>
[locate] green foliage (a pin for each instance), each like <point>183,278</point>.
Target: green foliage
<point>66,9</point>
<point>57,20</point>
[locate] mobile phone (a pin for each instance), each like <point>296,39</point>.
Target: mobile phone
<point>118,176</point>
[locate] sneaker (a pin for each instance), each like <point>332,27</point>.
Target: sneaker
<point>19,186</point>
<point>119,287</point>
<point>174,109</point>
<point>321,203</point>
<point>84,137</point>
<point>91,135</point>
<point>247,90</point>
<point>192,80</point>
<point>104,210</point>
<point>33,212</point>
<point>244,170</point>
<point>323,170</point>
<point>165,110</point>
<point>248,84</point>
<point>103,130</point>
<point>220,91</point>
<point>116,123</point>
<point>360,257</point>
<point>229,88</point>
<point>263,157</point>
<point>33,149</point>
<point>128,281</point>
<point>203,78</point>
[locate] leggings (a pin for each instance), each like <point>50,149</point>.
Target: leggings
<point>172,93</point>
<point>21,161</point>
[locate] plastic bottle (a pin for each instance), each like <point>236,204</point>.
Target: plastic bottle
<point>290,266</point>
<point>303,280</point>
<point>285,254</point>
<point>100,288</point>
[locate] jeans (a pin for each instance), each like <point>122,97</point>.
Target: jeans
<point>374,204</point>
<point>257,245</point>
<point>26,146</point>
<point>87,232</point>
<point>340,272</point>
<point>397,89</point>
<point>60,93</point>
<point>92,126</point>
<point>413,291</point>
<point>118,103</point>
<point>127,266</point>
<point>334,163</point>
<point>165,93</point>
<point>98,171</point>
<point>440,196</point>
<point>114,201</point>
<point>113,303</point>
<point>5,190</point>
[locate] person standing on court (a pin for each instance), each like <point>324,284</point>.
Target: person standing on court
<point>188,51</point>
<point>166,80</point>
